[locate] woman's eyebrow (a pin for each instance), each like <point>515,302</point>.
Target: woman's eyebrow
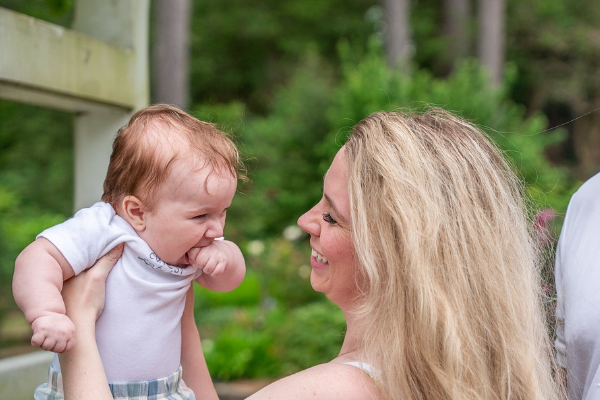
<point>339,216</point>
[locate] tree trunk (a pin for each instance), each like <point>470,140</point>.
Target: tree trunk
<point>170,62</point>
<point>396,14</point>
<point>491,37</point>
<point>586,139</point>
<point>456,29</point>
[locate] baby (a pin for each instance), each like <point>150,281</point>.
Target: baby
<point>169,183</point>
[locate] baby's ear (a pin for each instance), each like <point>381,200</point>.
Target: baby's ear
<point>134,212</point>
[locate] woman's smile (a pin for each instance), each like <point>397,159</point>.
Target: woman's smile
<point>319,258</point>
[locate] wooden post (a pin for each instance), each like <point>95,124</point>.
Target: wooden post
<point>98,71</point>
<point>123,24</point>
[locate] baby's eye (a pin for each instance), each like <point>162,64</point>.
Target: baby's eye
<point>200,216</point>
<point>329,219</point>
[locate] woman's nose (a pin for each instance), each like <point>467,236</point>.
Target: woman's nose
<point>308,221</point>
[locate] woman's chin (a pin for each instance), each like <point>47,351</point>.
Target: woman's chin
<point>318,282</point>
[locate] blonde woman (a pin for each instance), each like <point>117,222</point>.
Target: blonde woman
<point>422,239</point>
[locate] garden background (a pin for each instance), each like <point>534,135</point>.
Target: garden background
<point>288,79</point>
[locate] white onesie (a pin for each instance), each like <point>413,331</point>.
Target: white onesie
<point>139,331</point>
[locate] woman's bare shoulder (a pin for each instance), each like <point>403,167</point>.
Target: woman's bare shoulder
<point>332,381</point>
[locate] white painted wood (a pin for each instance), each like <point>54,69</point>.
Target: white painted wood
<point>20,375</point>
<point>98,70</point>
<point>54,67</point>
<point>124,24</point>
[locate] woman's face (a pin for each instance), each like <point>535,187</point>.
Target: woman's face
<point>328,224</point>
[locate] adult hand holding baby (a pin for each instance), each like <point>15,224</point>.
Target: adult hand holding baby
<point>84,295</point>
<point>84,300</point>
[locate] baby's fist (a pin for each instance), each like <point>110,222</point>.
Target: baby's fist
<point>212,259</point>
<point>54,332</point>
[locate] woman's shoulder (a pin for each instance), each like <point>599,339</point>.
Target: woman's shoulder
<point>324,381</point>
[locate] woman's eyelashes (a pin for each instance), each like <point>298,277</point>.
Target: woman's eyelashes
<point>328,218</point>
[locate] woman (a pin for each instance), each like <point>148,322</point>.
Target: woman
<point>422,239</point>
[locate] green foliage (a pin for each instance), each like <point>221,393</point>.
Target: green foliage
<point>280,154</point>
<point>233,342</point>
<point>18,228</point>
<point>291,148</point>
<point>254,342</point>
<point>59,12</point>
<point>284,273</point>
<point>309,335</point>
<point>37,157</point>
<point>557,57</point>
<point>59,6</point>
<point>36,181</point>
<point>237,353</point>
<point>246,50</point>
<point>367,86</point>
<point>227,117</point>
<point>248,293</point>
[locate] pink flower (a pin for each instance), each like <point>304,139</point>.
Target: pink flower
<point>541,225</point>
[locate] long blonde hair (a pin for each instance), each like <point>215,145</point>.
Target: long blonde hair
<point>449,269</point>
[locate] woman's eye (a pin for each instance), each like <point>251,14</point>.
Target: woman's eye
<point>328,218</point>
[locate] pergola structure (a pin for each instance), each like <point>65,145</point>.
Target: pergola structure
<point>98,70</point>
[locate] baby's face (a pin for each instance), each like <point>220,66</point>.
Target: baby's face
<point>189,212</point>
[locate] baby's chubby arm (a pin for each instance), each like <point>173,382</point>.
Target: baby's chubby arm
<point>222,264</point>
<point>40,271</point>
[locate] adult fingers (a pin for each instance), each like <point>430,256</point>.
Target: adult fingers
<point>84,294</point>
<point>105,263</point>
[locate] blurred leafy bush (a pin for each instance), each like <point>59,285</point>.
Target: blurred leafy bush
<point>254,342</point>
<point>36,181</point>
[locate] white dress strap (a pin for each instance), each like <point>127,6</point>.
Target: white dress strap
<point>361,365</point>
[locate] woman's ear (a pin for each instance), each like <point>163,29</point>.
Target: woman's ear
<point>134,212</point>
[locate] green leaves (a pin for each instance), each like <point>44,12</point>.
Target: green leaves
<point>36,180</point>
<point>367,86</point>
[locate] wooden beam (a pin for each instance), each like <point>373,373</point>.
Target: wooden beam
<point>55,67</point>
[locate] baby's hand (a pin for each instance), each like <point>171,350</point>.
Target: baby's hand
<point>53,332</point>
<point>222,264</point>
<point>212,259</point>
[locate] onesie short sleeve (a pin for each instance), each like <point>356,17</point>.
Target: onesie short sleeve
<point>85,237</point>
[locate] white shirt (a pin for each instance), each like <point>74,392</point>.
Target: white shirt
<point>577,273</point>
<point>139,331</point>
